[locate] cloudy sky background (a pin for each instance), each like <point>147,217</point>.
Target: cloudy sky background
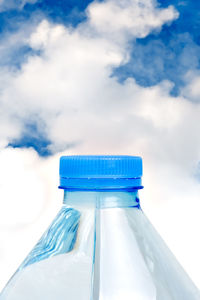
<point>107,77</point>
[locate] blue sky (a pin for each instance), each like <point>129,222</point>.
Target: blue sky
<point>165,54</point>
<point>169,54</point>
<point>161,55</point>
<point>107,77</point>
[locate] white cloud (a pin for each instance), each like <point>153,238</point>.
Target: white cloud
<point>191,89</point>
<point>72,61</point>
<point>136,18</point>
<point>70,88</point>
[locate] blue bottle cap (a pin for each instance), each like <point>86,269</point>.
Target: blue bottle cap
<point>100,171</point>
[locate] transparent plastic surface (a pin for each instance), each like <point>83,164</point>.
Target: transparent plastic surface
<point>100,246</point>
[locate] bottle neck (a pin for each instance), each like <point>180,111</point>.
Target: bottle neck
<point>102,199</point>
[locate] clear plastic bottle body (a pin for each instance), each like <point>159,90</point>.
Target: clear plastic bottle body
<point>100,246</point>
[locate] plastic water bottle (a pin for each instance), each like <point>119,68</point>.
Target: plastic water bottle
<point>100,246</point>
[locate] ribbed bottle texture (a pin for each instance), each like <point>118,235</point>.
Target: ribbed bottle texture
<point>101,166</point>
